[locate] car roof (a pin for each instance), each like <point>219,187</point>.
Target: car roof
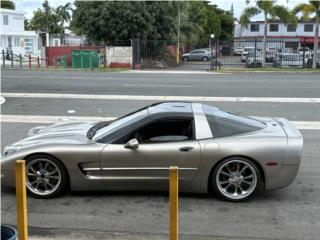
<point>170,107</point>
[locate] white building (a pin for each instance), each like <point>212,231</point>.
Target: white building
<point>13,35</point>
<point>286,35</point>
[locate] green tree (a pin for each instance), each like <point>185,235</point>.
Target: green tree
<point>45,19</point>
<point>269,9</point>
<point>63,13</point>
<point>308,9</point>
<point>115,21</point>
<point>7,4</point>
<point>27,24</point>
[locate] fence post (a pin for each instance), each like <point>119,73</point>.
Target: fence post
<point>20,58</point>
<point>255,53</point>
<point>47,62</point>
<point>29,61</point>
<point>38,62</point>
<point>3,59</point>
<point>173,199</point>
<point>12,59</point>
<point>304,52</point>
<point>21,200</point>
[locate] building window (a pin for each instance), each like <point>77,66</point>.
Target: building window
<point>10,42</point>
<point>308,27</point>
<point>5,20</point>
<point>28,45</point>
<point>56,42</point>
<point>291,28</point>
<point>254,27</point>
<point>16,42</point>
<point>274,27</point>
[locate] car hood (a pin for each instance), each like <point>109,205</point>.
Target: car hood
<point>61,133</point>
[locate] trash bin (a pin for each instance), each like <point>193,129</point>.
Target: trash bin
<point>8,233</point>
<point>84,59</point>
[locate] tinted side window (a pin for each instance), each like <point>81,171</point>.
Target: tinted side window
<point>166,130</point>
<point>223,124</point>
<point>221,127</point>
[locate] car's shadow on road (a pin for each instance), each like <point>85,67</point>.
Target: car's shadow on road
<point>263,196</point>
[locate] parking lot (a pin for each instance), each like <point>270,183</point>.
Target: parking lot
<point>289,213</point>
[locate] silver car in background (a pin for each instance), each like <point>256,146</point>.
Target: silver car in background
<point>288,60</point>
<point>234,156</point>
<point>197,55</point>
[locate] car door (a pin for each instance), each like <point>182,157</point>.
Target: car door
<point>146,166</point>
<point>194,55</point>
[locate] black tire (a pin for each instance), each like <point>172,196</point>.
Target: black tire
<point>205,59</point>
<point>64,181</point>
<point>185,59</point>
<point>216,188</point>
<point>309,63</point>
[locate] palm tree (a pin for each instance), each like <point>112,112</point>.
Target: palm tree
<point>269,9</point>
<point>307,9</point>
<point>64,16</point>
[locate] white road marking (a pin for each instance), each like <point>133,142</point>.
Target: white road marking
<point>71,111</point>
<point>163,98</point>
<point>302,125</point>
<point>49,119</point>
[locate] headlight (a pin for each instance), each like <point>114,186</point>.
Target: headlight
<point>10,150</point>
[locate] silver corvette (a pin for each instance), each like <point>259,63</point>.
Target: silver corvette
<point>234,156</point>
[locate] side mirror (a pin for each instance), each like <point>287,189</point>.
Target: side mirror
<point>132,144</point>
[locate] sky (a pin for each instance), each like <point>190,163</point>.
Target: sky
<point>29,6</point>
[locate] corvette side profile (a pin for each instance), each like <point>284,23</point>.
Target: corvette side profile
<point>231,155</point>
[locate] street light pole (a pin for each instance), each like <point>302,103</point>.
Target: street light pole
<point>178,37</point>
<point>211,51</point>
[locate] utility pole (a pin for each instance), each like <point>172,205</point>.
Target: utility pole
<point>46,5</point>
<point>178,36</point>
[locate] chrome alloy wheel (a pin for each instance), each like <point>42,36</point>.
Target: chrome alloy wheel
<point>43,176</point>
<point>236,179</point>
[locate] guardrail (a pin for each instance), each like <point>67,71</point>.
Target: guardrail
<point>21,201</point>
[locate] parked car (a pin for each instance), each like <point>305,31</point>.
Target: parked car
<point>304,50</point>
<point>238,51</point>
<point>254,60</point>
<point>197,55</point>
<point>233,155</point>
<point>226,50</point>
<point>309,61</point>
<point>289,60</point>
<point>246,51</point>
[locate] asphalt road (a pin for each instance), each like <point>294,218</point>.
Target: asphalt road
<point>290,213</point>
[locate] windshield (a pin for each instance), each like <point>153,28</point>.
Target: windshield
<point>120,123</point>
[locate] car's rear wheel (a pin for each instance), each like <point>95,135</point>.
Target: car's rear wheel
<point>236,179</point>
<point>205,59</point>
<point>46,177</point>
<point>185,59</point>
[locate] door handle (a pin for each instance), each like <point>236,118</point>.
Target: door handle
<point>185,149</point>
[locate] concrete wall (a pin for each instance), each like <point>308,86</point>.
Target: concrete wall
<point>119,57</point>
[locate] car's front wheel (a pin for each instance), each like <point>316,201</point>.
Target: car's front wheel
<point>236,179</point>
<point>46,177</point>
